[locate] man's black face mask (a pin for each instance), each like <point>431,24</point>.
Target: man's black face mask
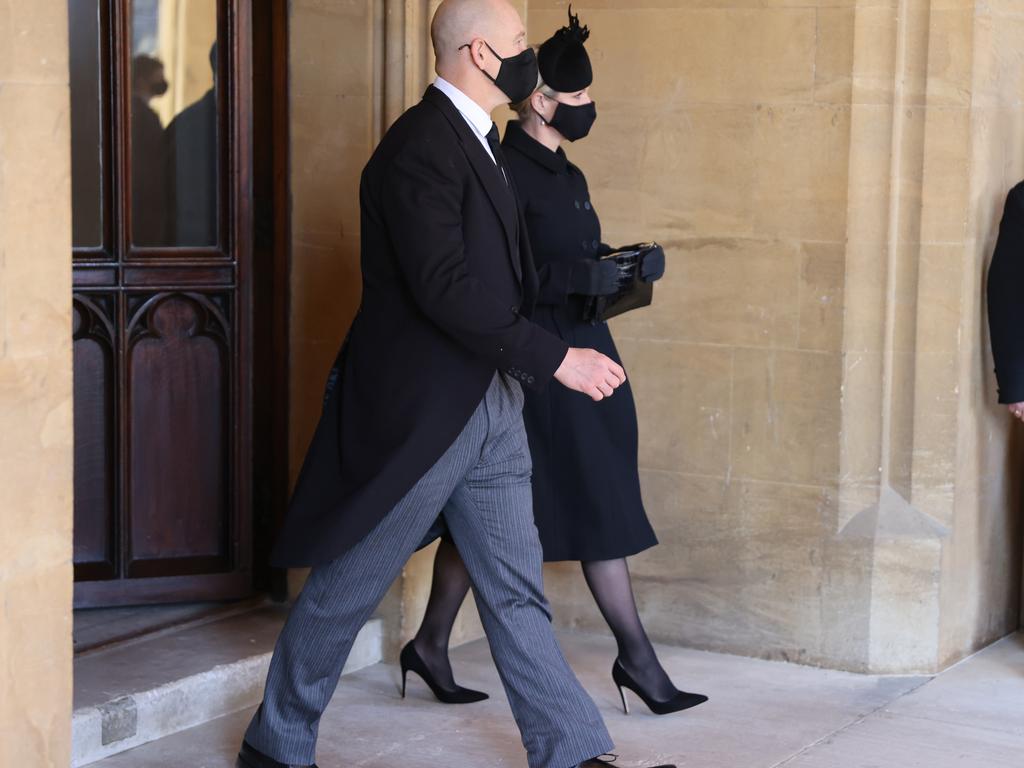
<point>517,76</point>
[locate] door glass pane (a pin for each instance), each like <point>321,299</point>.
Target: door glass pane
<point>86,124</point>
<point>174,156</point>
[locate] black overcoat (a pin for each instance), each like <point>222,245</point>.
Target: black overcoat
<point>447,281</point>
<point>586,485</point>
<point>1006,300</point>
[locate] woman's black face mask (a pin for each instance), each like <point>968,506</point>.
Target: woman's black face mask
<point>517,76</point>
<point>574,122</point>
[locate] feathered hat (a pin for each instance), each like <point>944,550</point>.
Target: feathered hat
<point>563,61</point>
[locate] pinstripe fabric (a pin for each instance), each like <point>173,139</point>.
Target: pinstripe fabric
<point>483,484</point>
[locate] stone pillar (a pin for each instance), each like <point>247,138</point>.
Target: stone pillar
<point>928,479</point>
<point>36,451</point>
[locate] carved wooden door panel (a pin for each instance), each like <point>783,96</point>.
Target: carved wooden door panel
<point>162,252</point>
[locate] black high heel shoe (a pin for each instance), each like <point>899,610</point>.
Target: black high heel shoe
<point>411,661</point>
<point>682,700</point>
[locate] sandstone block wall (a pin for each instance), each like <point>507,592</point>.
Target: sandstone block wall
<point>820,449</point>
<point>35,386</point>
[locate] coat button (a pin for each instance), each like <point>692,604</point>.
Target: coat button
<point>515,309</point>
<point>586,245</point>
<point>529,380</point>
<point>577,205</point>
<point>587,205</point>
<point>595,244</point>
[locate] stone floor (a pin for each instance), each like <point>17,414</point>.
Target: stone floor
<point>761,714</point>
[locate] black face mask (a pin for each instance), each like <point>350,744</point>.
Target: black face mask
<point>517,76</point>
<point>573,122</point>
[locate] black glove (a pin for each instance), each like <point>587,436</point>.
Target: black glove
<point>653,265</point>
<point>592,277</point>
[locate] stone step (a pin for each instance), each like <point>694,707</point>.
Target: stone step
<point>150,687</point>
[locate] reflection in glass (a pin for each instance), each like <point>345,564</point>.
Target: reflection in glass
<point>86,126</point>
<point>174,123</point>
<point>149,183</point>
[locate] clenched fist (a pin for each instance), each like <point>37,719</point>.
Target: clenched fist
<point>590,372</point>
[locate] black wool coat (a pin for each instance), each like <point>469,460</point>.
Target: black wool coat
<point>1006,300</point>
<point>586,485</point>
<point>448,282</point>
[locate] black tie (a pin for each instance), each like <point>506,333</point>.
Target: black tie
<point>495,144</point>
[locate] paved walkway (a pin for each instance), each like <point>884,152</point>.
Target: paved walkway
<point>761,715</point>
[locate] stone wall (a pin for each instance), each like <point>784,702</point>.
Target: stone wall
<point>730,125</point>
<point>35,386</point>
<point>820,449</point>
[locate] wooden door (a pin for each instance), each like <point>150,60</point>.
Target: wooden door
<point>164,285</point>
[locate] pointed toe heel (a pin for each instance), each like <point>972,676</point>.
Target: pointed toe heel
<point>411,661</point>
<point>682,700</point>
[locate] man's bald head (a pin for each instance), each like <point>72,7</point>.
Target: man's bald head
<point>457,22</point>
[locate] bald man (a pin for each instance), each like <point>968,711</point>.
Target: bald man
<point>423,411</point>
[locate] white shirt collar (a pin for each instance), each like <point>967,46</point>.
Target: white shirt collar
<point>470,110</point>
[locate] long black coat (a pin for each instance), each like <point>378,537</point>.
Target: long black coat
<point>1006,300</point>
<point>586,487</point>
<point>447,276</point>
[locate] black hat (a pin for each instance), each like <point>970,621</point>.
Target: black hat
<point>563,61</point>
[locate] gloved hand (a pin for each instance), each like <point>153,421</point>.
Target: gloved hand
<point>592,277</point>
<point>653,266</point>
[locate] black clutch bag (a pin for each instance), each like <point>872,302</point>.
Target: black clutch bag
<point>633,292</point>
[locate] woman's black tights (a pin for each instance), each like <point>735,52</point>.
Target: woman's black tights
<point>609,582</point>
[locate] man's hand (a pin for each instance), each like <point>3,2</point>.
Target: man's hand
<point>590,372</point>
<point>1016,409</point>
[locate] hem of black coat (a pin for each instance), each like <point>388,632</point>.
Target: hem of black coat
<point>616,554</point>
<point>278,557</point>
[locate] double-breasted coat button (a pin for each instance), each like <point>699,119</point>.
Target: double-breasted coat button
<point>577,205</point>
<point>586,245</point>
<point>587,205</point>
<point>529,379</point>
<point>594,245</point>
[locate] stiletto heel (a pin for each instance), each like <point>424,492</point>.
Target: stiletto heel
<point>682,700</point>
<point>411,661</point>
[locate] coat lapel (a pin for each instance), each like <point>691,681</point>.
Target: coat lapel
<point>502,196</point>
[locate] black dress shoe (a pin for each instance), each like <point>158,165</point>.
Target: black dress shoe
<point>250,757</point>
<point>606,760</point>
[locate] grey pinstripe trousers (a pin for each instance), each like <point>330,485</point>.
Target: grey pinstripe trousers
<point>483,485</point>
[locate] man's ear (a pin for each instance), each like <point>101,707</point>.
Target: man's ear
<point>478,52</point>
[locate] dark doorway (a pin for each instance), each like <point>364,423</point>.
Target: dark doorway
<point>180,296</point>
